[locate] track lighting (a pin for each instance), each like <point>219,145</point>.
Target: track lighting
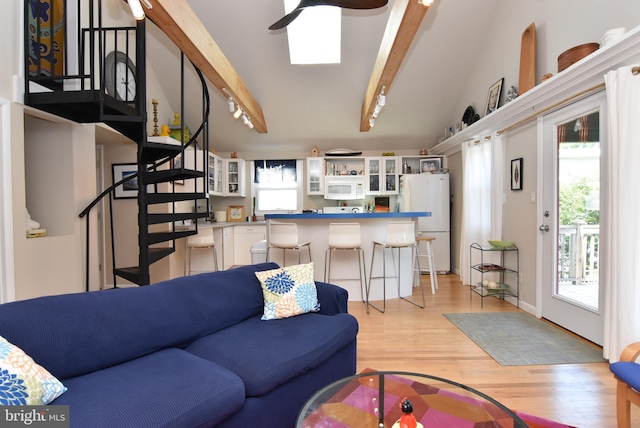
<point>236,110</point>
<point>136,9</point>
<point>380,102</point>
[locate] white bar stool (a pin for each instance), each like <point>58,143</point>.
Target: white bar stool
<point>284,236</point>
<point>400,234</point>
<point>345,236</point>
<point>202,240</point>
<point>430,258</point>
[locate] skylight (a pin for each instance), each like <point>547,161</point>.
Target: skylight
<point>314,36</point>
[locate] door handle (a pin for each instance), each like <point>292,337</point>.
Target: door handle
<point>544,228</point>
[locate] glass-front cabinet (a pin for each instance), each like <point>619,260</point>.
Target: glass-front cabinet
<point>214,175</point>
<point>382,175</point>
<point>234,178</point>
<point>315,176</point>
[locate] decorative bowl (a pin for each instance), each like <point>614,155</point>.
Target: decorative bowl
<point>501,244</point>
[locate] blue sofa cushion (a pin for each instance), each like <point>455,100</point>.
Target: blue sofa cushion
<point>627,371</point>
<point>73,334</point>
<point>265,354</point>
<point>169,388</point>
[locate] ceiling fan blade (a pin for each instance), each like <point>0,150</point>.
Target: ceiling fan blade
<point>346,4</point>
<point>286,20</point>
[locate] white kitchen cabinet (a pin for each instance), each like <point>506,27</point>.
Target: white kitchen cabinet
<point>243,238</point>
<point>194,159</point>
<point>382,175</point>
<point>234,177</point>
<point>214,175</point>
<point>315,176</point>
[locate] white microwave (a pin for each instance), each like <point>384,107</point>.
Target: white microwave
<point>344,187</point>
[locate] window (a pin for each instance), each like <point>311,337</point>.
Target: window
<point>277,186</point>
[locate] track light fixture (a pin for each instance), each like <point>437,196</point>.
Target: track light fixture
<point>381,100</point>
<point>236,110</point>
<point>136,9</point>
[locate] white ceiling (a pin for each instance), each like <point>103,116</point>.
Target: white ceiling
<point>307,105</point>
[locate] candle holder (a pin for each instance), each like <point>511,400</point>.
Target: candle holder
<point>155,117</point>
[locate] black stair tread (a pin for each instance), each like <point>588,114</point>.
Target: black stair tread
<point>83,106</point>
<point>129,273</point>
<point>159,198</point>
<point>171,217</point>
<point>156,254</point>
<point>132,273</point>
<point>167,175</point>
<point>157,237</point>
<point>152,151</point>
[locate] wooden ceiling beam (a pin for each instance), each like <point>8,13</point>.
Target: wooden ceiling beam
<point>178,21</point>
<point>404,20</point>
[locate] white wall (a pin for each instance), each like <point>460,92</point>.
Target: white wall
<point>559,26</point>
<point>54,176</point>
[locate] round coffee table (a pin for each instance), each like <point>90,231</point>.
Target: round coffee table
<point>356,401</point>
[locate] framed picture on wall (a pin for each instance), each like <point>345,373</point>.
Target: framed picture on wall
<point>516,174</point>
<point>128,189</point>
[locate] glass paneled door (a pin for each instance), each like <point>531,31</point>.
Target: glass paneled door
<point>571,175</point>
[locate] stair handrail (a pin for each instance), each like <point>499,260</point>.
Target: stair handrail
<point>192,141</point>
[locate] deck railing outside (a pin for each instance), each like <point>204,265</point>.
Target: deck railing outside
<point>578,253</point>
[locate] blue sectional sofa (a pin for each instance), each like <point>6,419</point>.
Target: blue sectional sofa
<point>188,352</point>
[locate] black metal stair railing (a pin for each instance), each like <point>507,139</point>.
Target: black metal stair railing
<point>151,175</point>
<point>65,74</point>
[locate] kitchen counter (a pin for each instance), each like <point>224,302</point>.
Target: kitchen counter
<point>313,228</point>
<point>385,215</point>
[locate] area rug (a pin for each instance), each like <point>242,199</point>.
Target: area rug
<point>354,405</point>
<point>520,339</point>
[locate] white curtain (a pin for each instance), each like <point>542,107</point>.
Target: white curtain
<point>482,180</point>
<point>620,253</point>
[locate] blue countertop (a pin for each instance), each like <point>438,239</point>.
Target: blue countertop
<point>350,215</point>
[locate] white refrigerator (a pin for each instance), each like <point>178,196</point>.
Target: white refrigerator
<point>430,192</point>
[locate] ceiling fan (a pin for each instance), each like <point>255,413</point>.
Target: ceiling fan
<point>347,4</point>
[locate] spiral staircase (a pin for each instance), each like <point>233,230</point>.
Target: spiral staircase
<point>74,86</point>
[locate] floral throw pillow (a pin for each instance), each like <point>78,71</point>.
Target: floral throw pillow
<point>22,381</point>
<point>288,291</point>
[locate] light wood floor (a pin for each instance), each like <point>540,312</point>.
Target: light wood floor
<point>408,338</point>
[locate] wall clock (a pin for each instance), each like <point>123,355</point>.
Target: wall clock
<point>120,75</point>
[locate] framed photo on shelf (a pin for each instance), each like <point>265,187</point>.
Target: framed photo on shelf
<point>235,213</point>
<point>429,165</point>
<point>516,174</point>
<point>493,97</point>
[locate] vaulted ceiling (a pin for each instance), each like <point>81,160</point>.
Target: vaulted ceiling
<point>307,105</point>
